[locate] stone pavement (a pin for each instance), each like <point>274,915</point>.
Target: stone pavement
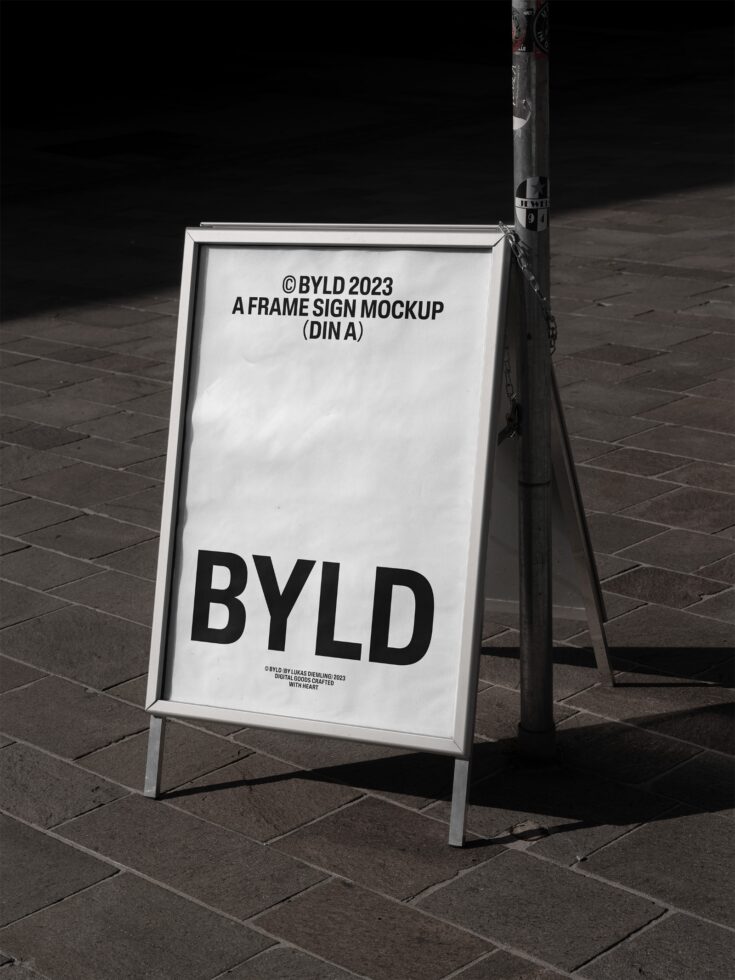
<point>272,855</point>
<point>277,856</point>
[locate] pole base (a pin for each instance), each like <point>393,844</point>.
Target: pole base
<point>537,746</point>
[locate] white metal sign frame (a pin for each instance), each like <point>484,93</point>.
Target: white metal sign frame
<point>411,239</point>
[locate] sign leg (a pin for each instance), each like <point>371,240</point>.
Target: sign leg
<point>154,761</point>
<point>460,791</point>
<point>579,537</point>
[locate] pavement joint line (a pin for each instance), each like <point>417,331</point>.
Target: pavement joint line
<point>83,511</point>
<point>655,477</point>
<point>253,840</point>
<point>672,738</point>
<point>21,687</point>
<point>104,351</point>
<point>461,969</point>
<point>689,610</point>
<point>333,876</point>
<point>119,866</point>
<point>285,944</point>
<point>101,806</point>
<point>633,891</point>
<point>638,563</point>
<point>365,794</point>
<point>666,914</point>
<point>523,954</point>
<point>58,901</point>
<point>668,807</point>
<point>74,602</point>
<point>61,585</point>
<point>649,785</point>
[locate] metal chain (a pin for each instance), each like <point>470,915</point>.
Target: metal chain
<point>519,251</point>
<point>513,416</point>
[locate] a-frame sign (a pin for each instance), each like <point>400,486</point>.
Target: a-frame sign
<point>330,477</point>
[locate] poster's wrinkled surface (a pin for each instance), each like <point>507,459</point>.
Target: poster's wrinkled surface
<point>331,440</point>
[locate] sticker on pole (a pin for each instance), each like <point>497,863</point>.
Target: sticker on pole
<point>321,551</point>
<point>532,203</point>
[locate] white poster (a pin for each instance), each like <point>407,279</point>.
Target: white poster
<point>333,448</point>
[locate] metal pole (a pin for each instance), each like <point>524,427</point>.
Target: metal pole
<point>531,179</point>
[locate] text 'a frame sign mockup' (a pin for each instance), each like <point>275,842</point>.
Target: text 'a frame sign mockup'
<point>325,512</point>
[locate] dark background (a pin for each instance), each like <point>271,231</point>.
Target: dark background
<point>126,121</point>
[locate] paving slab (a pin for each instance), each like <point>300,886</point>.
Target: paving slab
<point>14,971</point>
<point>616,751</point>
<point>383,847</point>
<point>371,935</point>
<point>659,585</point>
<point>585,449</point>
<point>19,433</point>
<point>611,532</point>
<point>260,797</point>
<point>89,536</point>
<point>157,440</point>
<point>685,551</point>
<point>411,778</point>
<point>607,398</point>
<point>103,452</point>
<point>106,315</point>
<point>618,354</point>
<point>65,718</point>
<point>706,782</point>
<point>709,476</point>
<point>670,640</point>
<point>498,712</point>
<point>285,963</point>
<point>691,508</point>
<point>114,592</point>
<point>106,932</point>
<point>19,604</point>
<point>17,463</point>
<point>113,389</point>
<point>684,858</point>
<point>9,496</point>
<point>60,410</point>
<point>121,426</point>
<point>9,545</point>
<point>82,484</point>
<point>47,375</point>
<point>720,607</point>
<point>559,812</point>
<point>722,570</point>
<point>143,509</point>
<point>640,462</point>
<point>681,440</point>
<point>501,965</point>
<point>527,903</point>
<point>574,669</point>
<point>685,709</point>
<point>43,569</point>
<point>154,467</point>
<point>45,791</point>
<point>14,674</point>
<point>592,424</point>
<point>610,565</point>
<point>678,947</point>
<point>30,514</point>
<point>196,858</point>
<point>141,559</point>
<point>610,491</point>
<point>124,363</point>
<point>83,644</point>
<point>188,753</point>
<point>38,870</point>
